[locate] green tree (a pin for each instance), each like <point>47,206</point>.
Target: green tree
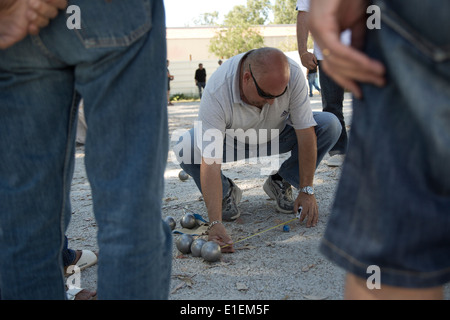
<point>232,41</point>
<point>284,12</point>
<point>207,19</point>
<point>237,34</point>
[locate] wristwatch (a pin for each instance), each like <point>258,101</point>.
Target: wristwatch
<point>308,190</point>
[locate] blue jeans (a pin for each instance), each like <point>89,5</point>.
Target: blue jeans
<point>201,86</point>
<point>68,255</point>
<point>332,101</point>
<point>327,130</point>
<point>392,207</point>
<point>120,49</point>
<point>313,82</point>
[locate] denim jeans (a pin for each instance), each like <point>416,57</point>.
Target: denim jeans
<point>313,82</point>
<point>201,87</point>
<point>327,130</point>
<point>117,63</point>
<point>68,255</point>
<point>332,101</point>
<point>392,207</point>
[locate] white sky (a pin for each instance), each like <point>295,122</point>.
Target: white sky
<point>181,13</point>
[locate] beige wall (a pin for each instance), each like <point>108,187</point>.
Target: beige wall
<point>187,47</point>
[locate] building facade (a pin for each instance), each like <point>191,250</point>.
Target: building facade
<point>187,47</point>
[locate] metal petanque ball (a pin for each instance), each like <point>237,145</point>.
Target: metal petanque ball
<point>183,176</point>
<point>196,247</point>
<point>188,221</point>
<point>184,243</point>
<point>211,251</point>
<point>171,222</point>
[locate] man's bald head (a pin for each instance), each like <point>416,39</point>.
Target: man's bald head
<point>268,61</point>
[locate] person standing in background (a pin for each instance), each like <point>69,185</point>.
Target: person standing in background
<point>332,93</point>
<point>311,75</point>
<point>200,79</point>
<point>169,78</point>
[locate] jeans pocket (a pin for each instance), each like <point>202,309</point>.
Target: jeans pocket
<point>113,23</point>
<point>434,52</point>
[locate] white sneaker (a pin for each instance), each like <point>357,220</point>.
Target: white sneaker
<point>336,161</point>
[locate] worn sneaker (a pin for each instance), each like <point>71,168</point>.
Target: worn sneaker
<point>230,210</point>
<point>336,161</point>
<point>281,191</point>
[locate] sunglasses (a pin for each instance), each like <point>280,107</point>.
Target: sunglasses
<point>261,93</point>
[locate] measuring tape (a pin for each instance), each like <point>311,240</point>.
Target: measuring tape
<point>264,231</point>
<point>297,216</point>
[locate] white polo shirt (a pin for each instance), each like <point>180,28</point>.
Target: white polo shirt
<point>222,111</point>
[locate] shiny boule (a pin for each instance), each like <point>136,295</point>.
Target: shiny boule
<point>196,247</point>
<point>184,243</point>
<point>171,222</point>
<point>188,221</point>
<point>211,251</point>
<point>183,176</point>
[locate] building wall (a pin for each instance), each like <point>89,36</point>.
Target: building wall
<point>187,47</point>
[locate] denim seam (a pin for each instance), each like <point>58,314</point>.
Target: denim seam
<point>350,259</point>
<point>36,40</point>
<point>69,145</point>
<point>429,49</point>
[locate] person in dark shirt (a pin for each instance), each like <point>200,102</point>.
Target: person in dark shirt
<point>200,79</point>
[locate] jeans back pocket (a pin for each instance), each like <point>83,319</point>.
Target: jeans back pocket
<point>112,23</point>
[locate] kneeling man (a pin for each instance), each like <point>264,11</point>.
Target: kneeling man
<point>264,94</point>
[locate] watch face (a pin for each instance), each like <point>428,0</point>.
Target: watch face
<point>308,190</point>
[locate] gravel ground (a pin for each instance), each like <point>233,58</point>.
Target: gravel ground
<point>274,265</point>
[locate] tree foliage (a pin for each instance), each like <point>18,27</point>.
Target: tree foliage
<point>237,33</point>
<point>232,41</point>
<point>207,19</point>
<point>284,12</point>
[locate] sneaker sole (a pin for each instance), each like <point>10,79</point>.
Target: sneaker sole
<point>268,190</point>
<point>237,215</point>
<point>237,193</point>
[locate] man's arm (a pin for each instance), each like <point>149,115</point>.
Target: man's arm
<point>309,60</point>
<point>21,17</point>
<point>346,65</point>
<point>211,183</point>
<point>307,158</point>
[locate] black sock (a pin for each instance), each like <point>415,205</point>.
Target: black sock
<point>276,176</point>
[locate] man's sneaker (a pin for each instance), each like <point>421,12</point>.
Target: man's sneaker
<point>230,210</point>
<point>281,192</point>
<point>336,161</point>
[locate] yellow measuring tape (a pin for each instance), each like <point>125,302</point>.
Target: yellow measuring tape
<point>259,233</point>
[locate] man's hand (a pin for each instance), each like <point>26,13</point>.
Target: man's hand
<point>309,60</point>
<point>219,235</point>
<point>310,209</point>
<point>346,65</point>
<point>18,18</point>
